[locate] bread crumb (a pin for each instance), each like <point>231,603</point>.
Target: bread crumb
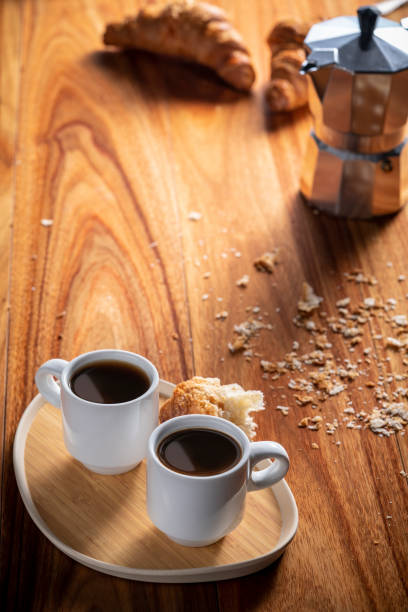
<point>343,303</point>
<point>304,422</point>
<point>46,222</point>
<point>393,343</point>
<point>309,301</point>
<point>315,445</point>
<point>194,216</point>
<point>222,315</point>
<point>237,345</point>
<point>304,399</point>
<point>267,261</point>
<point>245,331</point>
<point>243,281</point>
<point>400,320</point>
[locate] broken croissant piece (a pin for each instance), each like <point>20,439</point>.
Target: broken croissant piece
<point>194,31</point>
<point>287,89</point>
<point>207,396</point>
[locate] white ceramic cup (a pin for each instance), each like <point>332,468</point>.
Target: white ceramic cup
<point>199,510</point>
<point>105,438</point>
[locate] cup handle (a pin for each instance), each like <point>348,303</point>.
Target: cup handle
<point>272,474</point>
<point>46,383</point>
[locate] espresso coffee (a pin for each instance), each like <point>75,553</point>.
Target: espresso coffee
<point>199,452</point>
<point>109,382</point>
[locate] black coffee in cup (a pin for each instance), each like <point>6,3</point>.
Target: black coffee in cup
<point>109,382</point>
<point>199,451</point>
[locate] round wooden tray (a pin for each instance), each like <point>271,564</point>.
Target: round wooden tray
<point>101,521</point>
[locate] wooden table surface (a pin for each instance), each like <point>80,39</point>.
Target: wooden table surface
<point>118,150</point>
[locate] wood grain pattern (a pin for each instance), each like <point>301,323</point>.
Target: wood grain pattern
<point>117,149</point>
<point>9,84</point>
<point>10,43</point>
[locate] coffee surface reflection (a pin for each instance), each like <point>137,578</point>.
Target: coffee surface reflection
<point>199,452</point>
<point>109,382</point>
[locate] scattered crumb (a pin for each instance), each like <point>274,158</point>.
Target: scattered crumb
<point>46,222</point>
<point>194,216</point>
<point>358,277</point>
<point>315,445</point>
<point>323,375</point>
<point>267,261</point>
<point>222,315</point>
<point>243,281</point>
<point>245,331</point>
<point>205,296</point>
<point>309,301</point>
<point>343,303</point>
<point>400,320</point>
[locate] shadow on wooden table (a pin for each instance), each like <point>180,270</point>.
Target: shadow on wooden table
<point>274,121</point>
<point>164,77</point>
<point>337,244</point>
<point>253,591</point>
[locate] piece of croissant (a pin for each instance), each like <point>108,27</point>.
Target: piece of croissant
<point>200,395</point>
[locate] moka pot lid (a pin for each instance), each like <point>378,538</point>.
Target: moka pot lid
<point>365,43</point>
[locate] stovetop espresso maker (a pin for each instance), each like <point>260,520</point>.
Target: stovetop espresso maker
<point>356,162</point>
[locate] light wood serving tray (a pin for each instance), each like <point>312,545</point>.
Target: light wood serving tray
<point>101,521</point>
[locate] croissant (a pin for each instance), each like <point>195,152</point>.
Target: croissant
<point>287,89</point>
<point>194,31</point>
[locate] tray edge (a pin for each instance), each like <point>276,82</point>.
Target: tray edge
<point>282,492</point>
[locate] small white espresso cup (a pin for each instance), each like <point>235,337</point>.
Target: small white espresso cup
<point>199,510</point>
<point>105,438</point>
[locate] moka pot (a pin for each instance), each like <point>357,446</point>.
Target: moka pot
<point>356,162</point>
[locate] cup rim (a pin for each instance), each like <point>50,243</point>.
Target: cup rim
<point>202,421</point>
<point>114,354</point>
